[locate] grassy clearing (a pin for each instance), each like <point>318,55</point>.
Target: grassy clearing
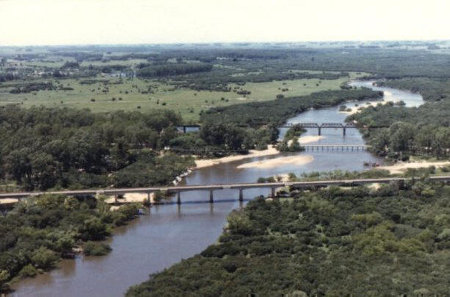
<point>131,95</point>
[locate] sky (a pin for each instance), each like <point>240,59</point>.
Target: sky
<point>58,22</point>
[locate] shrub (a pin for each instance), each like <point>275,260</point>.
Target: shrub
<point>28,271</point>
<point>44,258</point>
<point>96,249</point>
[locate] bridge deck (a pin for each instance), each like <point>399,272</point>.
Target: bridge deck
<point>238,186</point>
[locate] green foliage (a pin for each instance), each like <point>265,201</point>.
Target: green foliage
<point>276,112</point>
<point>4,277</point>
<point>43,148</point>
<point>93,229</point>
<point>173,69</point>
<point>295,131</point>
<point>330,242</point>
<point>423,131</point>
<point>91,248</point>
<point>151,169</point>
<point>44,258</point>
<point>41,230</point>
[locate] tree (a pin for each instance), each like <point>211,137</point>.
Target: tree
<point>401,136</point>
<point>44,258</point>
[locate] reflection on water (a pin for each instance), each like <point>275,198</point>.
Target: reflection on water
<point>172,232</point>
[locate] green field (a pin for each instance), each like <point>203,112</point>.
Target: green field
<point>132,94</point>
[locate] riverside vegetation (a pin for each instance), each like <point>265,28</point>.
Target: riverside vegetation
<point>38,232</point>
<point>331,242</point>
<point>107,116</point>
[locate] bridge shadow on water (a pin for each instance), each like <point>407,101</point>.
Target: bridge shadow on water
<point>202,202</point>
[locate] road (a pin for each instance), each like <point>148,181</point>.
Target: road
<point>211,188</point>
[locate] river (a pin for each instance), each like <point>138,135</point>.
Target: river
<point>172,232</point>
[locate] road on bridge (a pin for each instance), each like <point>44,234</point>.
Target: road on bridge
<point>211,188</point>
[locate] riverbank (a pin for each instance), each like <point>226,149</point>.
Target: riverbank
<point>62,237</point>
<point>298,160</point>
<point>355,109</point>
<point>270,151</point>
<point>203,163</point>
<point>402,167</point>
<point>310,138</point>
<point>130,198</point>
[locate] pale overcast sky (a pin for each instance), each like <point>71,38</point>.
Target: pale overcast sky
<point>37,22</point>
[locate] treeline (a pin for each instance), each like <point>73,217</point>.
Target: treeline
<point>432,89</point>
<point>219,79</point>
<point>170,69</point>
<point>218,139</point>
<point>42,148</point>
<point>389,241</point>
<point>276,112</point>
<point>40,231</point>
<point>424,130</point>
<point>33,87</point>
<point>273,63</point>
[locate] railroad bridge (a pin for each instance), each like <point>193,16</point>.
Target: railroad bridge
<point>321,126</point>
<point>318,126</point>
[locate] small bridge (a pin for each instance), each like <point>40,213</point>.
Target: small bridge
<point>211,188</point>
<point>335,147</point>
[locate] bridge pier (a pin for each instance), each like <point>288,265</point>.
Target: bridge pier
<point>184,129</point>
<point>241,194</point>
<point>272,192</point>
<point>211,196</point>
<point>149,201</point>
<point>178,197</point>
<point>320,130</point>
<point>343,131</point>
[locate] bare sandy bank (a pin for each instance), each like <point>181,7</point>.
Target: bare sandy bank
<point>272,163</point>
<point>356,109</point>
<point>132,198</point>
<point>403,166</point>
<point>310,138</point>
<point>202,163</point>
<point>9,201</point>
<point>388,97</point>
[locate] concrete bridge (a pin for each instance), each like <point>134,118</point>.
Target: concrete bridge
<point>212,188</point>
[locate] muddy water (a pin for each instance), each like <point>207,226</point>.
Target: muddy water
<point>171,232</point>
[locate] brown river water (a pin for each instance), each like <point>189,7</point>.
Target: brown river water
<point>171,232</point>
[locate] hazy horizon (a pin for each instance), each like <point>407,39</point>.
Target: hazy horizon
<point>139,22</point>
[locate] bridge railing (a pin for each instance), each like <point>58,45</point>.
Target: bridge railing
<point>216,187</point>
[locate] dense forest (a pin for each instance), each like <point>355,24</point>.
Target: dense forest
<point>332,242</point>
<point>43,148</point>
<point>40,231</point>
